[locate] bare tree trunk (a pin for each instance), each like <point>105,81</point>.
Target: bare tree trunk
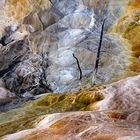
<point>98,55</point>
<point>79,67</point>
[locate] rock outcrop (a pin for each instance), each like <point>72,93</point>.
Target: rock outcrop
<point>50,47</point>
<point>49,33</point>
<point>115,115</point>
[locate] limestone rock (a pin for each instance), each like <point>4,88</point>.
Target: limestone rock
<point>122,96</point>
<point>37,41</point>
<point>12,53</point>
<point>114,107</point>
<point>77,125</point>
<point>4,93</point>
<point>56,31</point>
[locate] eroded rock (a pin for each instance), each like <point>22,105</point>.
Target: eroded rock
<point>114,107</point>
<point>56,30</point>
<point>77,125</point>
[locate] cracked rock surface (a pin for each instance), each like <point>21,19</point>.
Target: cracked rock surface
<point>41,39</point>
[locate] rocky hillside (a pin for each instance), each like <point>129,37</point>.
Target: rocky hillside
<point>39,38</point>
<point>51,46</point>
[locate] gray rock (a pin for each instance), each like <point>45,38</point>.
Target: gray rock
<point>4,93</point>
<point>54,35</point>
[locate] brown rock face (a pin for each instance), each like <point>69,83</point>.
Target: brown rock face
<point>122,96</point>
<point>21,8</point>
<point>37,48</point>
<point>113,118</point>
<point>128,26</point>
<point>78,125</point>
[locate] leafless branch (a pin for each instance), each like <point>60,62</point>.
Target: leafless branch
<point>78,64</point>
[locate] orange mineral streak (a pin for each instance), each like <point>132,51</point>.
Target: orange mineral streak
<point>85,126</point>
<point>115,117</point>
<point>18,8</point>
<point>21,8</point>
<point>128,25</point>
<point>133,5</point>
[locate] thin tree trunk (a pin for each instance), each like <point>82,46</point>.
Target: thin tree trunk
<point>79,67</point>
<point>98,55</point>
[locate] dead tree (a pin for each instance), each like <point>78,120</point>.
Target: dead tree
<point>98,55</point>
<point>79,67</point>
